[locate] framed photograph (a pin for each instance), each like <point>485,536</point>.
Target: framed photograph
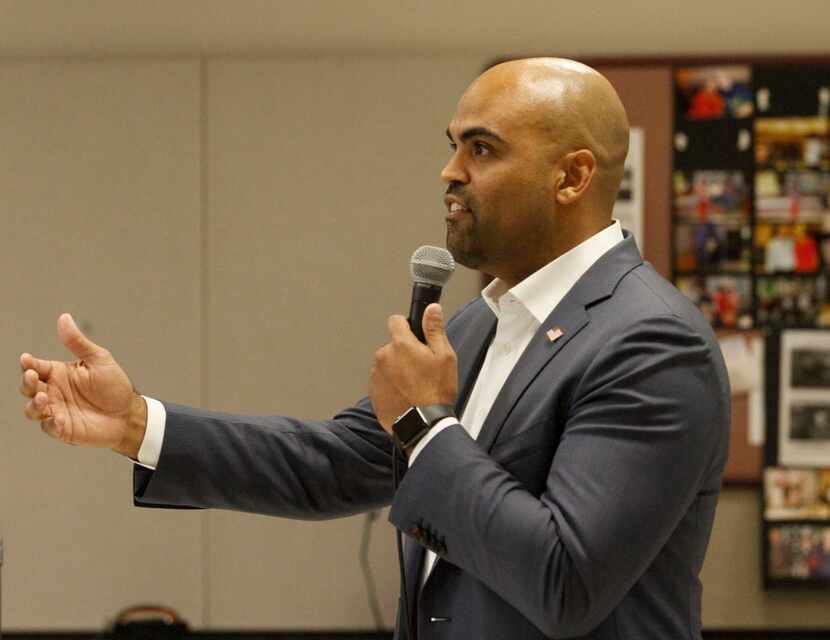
<point>714,92</point>
<point>810,369</point>
<point>788,249</point>
<point>725,301</point>
<point>797,554</point>
<point>793,197</point>
<point>804,399</point>
<point>796,494</point>
<point>791,146</point>
<point>783,302</point>
<point>711,196</point>
<point>810,423</point>
<point>711,247</point>
<point>629,207</point>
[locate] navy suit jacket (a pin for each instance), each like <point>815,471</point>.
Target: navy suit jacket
<point>583,509</point>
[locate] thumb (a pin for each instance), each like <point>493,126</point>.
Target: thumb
<point>75,341</point>
<point>433,325</point>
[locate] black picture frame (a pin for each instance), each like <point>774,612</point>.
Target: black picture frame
<point>812,565</point>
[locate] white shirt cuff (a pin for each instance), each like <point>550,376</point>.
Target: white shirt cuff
<point>148,454</point>
<point>437,428</point>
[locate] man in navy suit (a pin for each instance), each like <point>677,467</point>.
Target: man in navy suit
<point>575,416</point>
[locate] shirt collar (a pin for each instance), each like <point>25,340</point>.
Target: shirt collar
<point>541,291</point>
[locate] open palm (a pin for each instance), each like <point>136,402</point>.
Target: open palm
<point>84,402</point>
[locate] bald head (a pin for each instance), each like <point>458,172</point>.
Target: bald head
<point>571,105</point>
<point>538,153</point>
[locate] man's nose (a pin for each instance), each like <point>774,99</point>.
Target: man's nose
<point>454,171</point>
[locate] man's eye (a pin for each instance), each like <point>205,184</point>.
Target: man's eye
<point>453,146</point>
<point>480,149</point>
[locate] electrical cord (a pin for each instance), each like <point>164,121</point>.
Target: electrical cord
<point>368,577</point>
<point>410,633</point>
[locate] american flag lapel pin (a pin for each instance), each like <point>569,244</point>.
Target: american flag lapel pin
<point>554,334</point>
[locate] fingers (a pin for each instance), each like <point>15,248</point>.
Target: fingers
<point>52,425</point>
<point>74,340</point>
<point>31,384</point>
<point>434,333</point>
<point>433,325</point>
<point>43,368</point>
<point>38,407</point>
<point>399,329</point>
<point>34,388</point>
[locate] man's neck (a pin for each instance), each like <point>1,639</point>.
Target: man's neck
<point>559,246</point>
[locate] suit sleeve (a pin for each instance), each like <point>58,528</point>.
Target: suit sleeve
<point>271,465</point>
<point>637,441</point>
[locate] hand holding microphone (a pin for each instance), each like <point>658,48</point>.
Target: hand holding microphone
<point>418,366</point>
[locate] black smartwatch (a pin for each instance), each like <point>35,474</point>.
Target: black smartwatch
<point>414,424</point>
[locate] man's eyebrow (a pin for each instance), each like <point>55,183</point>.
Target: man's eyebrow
<point>476,132</point>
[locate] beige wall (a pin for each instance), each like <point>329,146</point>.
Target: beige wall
<point>485,28</point>
<point>205,222</point>
<point>203,219</point>
<point>323,178</point>
<point>99,172</point>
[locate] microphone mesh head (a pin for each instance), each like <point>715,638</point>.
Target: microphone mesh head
<point>432,265</point>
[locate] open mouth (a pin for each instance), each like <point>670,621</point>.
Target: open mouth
<point>456,211</point>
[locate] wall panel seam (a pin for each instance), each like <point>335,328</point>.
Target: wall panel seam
<point>205,305</point>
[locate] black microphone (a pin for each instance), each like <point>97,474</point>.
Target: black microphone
<point>431,267</point>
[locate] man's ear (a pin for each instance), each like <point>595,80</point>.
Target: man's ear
<point>575,175</point>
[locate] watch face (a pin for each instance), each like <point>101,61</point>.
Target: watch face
<point>409,425</point>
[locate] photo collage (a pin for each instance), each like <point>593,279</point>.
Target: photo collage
<point>799,552</point>
<point>796,481</point>
<point>751,195</point>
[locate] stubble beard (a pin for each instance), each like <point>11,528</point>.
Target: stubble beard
<point>464,243</point>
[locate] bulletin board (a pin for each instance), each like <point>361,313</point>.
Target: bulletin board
<point>751,193</point>
<point>736,206</point>
<point>646,88</point>
<point>750,211</point>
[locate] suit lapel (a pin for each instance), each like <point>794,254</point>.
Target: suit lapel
<point>569,318</point>
<point>565,321</point>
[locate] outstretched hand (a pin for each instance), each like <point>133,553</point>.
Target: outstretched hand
<point>86,402</point>
<point>408,373</point>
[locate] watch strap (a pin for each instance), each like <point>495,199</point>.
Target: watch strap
<point>433,413</point>
<point>413,425</point>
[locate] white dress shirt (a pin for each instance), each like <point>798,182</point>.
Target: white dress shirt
<point>520,312</point>
<point>150,450</point>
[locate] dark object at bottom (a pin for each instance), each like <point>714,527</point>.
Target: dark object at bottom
<point>149,622</point>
